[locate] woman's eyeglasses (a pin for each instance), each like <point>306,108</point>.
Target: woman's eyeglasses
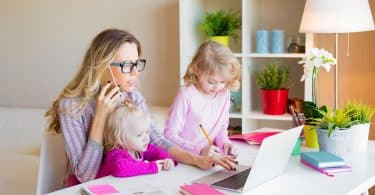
<point>128,66</point>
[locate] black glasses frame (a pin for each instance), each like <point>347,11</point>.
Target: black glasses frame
<point>140,64</point>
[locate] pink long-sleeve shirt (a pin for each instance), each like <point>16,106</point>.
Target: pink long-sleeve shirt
<point>119,163</point>
<point>191,108</point>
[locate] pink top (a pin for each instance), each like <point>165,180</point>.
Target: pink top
<point>119,163</point>
<point>191,108</point>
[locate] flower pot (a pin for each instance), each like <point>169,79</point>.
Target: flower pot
<point>311,136</point>
<point>274,101</point>
<point>358,137</point>
<point>336,143</point>
<point>224,40</point>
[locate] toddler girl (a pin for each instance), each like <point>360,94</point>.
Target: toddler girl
<point>126,142</point>
<point>205,101</point>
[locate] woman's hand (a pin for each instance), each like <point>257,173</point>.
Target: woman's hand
<point>106,102</point>
<point>227,162</point>
<point>230,150</point>
<point>210,150</point>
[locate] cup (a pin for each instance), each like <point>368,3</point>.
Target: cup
<point>262,37</point>
<point>277,41</point>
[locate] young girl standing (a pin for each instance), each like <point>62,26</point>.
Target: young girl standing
<point>204,102</point>
<point>127,149</point>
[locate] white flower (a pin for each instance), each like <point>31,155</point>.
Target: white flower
<point>315,59</point>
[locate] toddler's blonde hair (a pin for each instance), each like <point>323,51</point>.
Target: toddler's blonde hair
<point>124,119</point>
<point>210,58</point>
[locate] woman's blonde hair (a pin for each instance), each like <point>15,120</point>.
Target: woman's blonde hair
<point>210,58</point>
<point>120,122</point>
<point>86,83</point>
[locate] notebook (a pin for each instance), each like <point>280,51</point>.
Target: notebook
<point>328,170</point>
<point>322,159</point>
<point>99,189</point>
<point>270,162</point>
<point>254,137</point>
<point>198,189</point>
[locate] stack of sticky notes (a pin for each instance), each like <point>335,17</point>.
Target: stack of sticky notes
<point>324,162</point>
<point>199,189</point>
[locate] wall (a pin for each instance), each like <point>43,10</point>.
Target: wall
<point>42,44</point>
<point>356,71</point>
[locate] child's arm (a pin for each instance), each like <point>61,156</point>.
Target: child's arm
<point>222,136</point>
<point>121,164</point>
<point>175,123</point>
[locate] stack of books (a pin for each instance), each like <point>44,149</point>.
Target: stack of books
<point>324,162</point>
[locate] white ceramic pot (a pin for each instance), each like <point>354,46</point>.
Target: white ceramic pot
<point>336,144</point>
<point>358,138</point>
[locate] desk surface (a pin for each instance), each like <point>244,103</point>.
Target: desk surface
<point>297,178</point>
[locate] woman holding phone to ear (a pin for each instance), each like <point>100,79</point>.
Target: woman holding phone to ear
<point>107,77</point>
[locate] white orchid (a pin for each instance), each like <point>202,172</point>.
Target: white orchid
<point>315,59</point>
<point>312,62</point>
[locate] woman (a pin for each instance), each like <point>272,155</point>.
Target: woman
<point>107,76</point>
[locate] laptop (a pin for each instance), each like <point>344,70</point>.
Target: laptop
<point>270,162</point>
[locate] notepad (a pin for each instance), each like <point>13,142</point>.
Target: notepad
<point>199,189</point>
<point>99,189</point>
<point>328,170</point>
<point>254,137</point>
<point>322,159</point>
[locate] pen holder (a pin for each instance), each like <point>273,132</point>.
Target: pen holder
<point>297,147</point>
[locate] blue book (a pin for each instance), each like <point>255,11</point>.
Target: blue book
<point>322,159</point>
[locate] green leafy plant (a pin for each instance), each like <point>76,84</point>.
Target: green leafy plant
<point>221,23</point>
<point>334,120</point>
<point>360,113</point>
<point>312,112</point>
<point>273,77</point>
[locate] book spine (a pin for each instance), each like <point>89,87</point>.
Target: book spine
<point>316,168</point>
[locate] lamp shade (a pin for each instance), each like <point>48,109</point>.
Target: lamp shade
<point>336,16</point>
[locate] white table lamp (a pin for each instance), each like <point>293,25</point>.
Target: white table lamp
<point>336,16</point>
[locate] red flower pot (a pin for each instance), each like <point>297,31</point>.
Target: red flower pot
<point>274,101</point>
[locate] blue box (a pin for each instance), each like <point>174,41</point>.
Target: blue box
<point>277,41</point>
<point>262,41</point>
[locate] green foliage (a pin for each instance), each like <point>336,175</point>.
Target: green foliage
<point>221,23</point>
<point>360,113</point>
<point>334,120</point>
<point>273,77</point>
<point>312,112</point>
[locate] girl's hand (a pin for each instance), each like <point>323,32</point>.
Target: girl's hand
<point>210,151</point>
<point>230,150</point>
<point>165,164</point>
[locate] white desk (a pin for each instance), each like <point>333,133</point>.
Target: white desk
<point>297,178</point>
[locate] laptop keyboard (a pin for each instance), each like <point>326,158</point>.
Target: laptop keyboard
<point>236,181</point>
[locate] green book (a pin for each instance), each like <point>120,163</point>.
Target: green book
<point>322,159</point>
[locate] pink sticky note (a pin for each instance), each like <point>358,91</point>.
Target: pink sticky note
<point>101,189</point>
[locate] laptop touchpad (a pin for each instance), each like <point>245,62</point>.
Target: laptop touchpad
<point>219,175</point>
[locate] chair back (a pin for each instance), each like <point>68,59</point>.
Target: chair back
<point>51,164</point>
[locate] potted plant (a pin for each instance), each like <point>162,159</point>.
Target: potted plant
<point>334,130</point>
<point>360,116</point>
<point>219,25</point>
<point>311,112</point>
<point>274,92</point>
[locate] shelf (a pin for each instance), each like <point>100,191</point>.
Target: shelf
<point>259,115</point>
<point>276,55</point>
<point>235,115</point>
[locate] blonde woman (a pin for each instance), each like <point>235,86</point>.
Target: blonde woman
<point>204,102</point>
<point>107,76</point>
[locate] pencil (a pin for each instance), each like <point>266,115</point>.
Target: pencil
<point>206,135</point>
